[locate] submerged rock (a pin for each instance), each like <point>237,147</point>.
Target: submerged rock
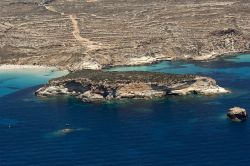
<point>90,85</point>
<point>64,132</point>
<point>237,114</point>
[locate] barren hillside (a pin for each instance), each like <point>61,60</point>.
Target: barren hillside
<point>77,34</point>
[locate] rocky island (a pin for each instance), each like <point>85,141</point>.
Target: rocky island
<point>91,85</point>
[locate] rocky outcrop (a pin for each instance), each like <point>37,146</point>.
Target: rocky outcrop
<point>201,85</point>
<point>89,85</point>
<point>237,114</point>
<point>93,34</point>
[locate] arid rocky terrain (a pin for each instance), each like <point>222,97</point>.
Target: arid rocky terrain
<point>98,85</point>
<point>78,34</point>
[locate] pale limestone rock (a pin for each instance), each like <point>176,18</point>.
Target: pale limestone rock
<point>202,85</point>
<point>237,114</point>
<point>91,96</point>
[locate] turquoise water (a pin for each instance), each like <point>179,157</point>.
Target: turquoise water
<point>12,81</point>
<point>227,65</point>
<point>187,130</point>
<point>240,58</point>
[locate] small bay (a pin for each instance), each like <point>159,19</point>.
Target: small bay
<point>14,80</point>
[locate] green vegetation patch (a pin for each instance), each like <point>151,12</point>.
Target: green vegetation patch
<point>128,76</point>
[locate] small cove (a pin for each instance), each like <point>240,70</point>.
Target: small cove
<point>14,80</point>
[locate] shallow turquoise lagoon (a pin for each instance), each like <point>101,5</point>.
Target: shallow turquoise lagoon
<point>187,130</point>
<point>15,80</point>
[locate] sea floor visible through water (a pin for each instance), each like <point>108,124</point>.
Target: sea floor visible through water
<point>178,130</point>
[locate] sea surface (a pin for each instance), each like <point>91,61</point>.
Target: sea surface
<point>188,130</point>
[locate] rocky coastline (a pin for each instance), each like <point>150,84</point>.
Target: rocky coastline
<point>92,85</point>
<point>79,35</point>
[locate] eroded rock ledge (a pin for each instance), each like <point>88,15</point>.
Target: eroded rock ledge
<point>91,85</point>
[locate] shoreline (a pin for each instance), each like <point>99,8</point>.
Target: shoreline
<point>176,59</point>
<point>32,69</point>
<point>16,67</point>
<point>142,61</point>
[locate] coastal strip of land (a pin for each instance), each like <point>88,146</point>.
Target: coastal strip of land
<point>93,34</point>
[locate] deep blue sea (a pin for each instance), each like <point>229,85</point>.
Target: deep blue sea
<point>187,130</point>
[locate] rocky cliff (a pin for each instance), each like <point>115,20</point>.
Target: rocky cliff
<point>74,34</point>
<point>90,85</point>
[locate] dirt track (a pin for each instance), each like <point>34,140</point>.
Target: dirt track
<point>83,41</point>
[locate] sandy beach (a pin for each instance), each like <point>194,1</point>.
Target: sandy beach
<point>32,69</point>
<point>18,67</point>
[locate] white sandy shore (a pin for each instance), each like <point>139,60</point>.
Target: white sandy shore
<point>33,67</point>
